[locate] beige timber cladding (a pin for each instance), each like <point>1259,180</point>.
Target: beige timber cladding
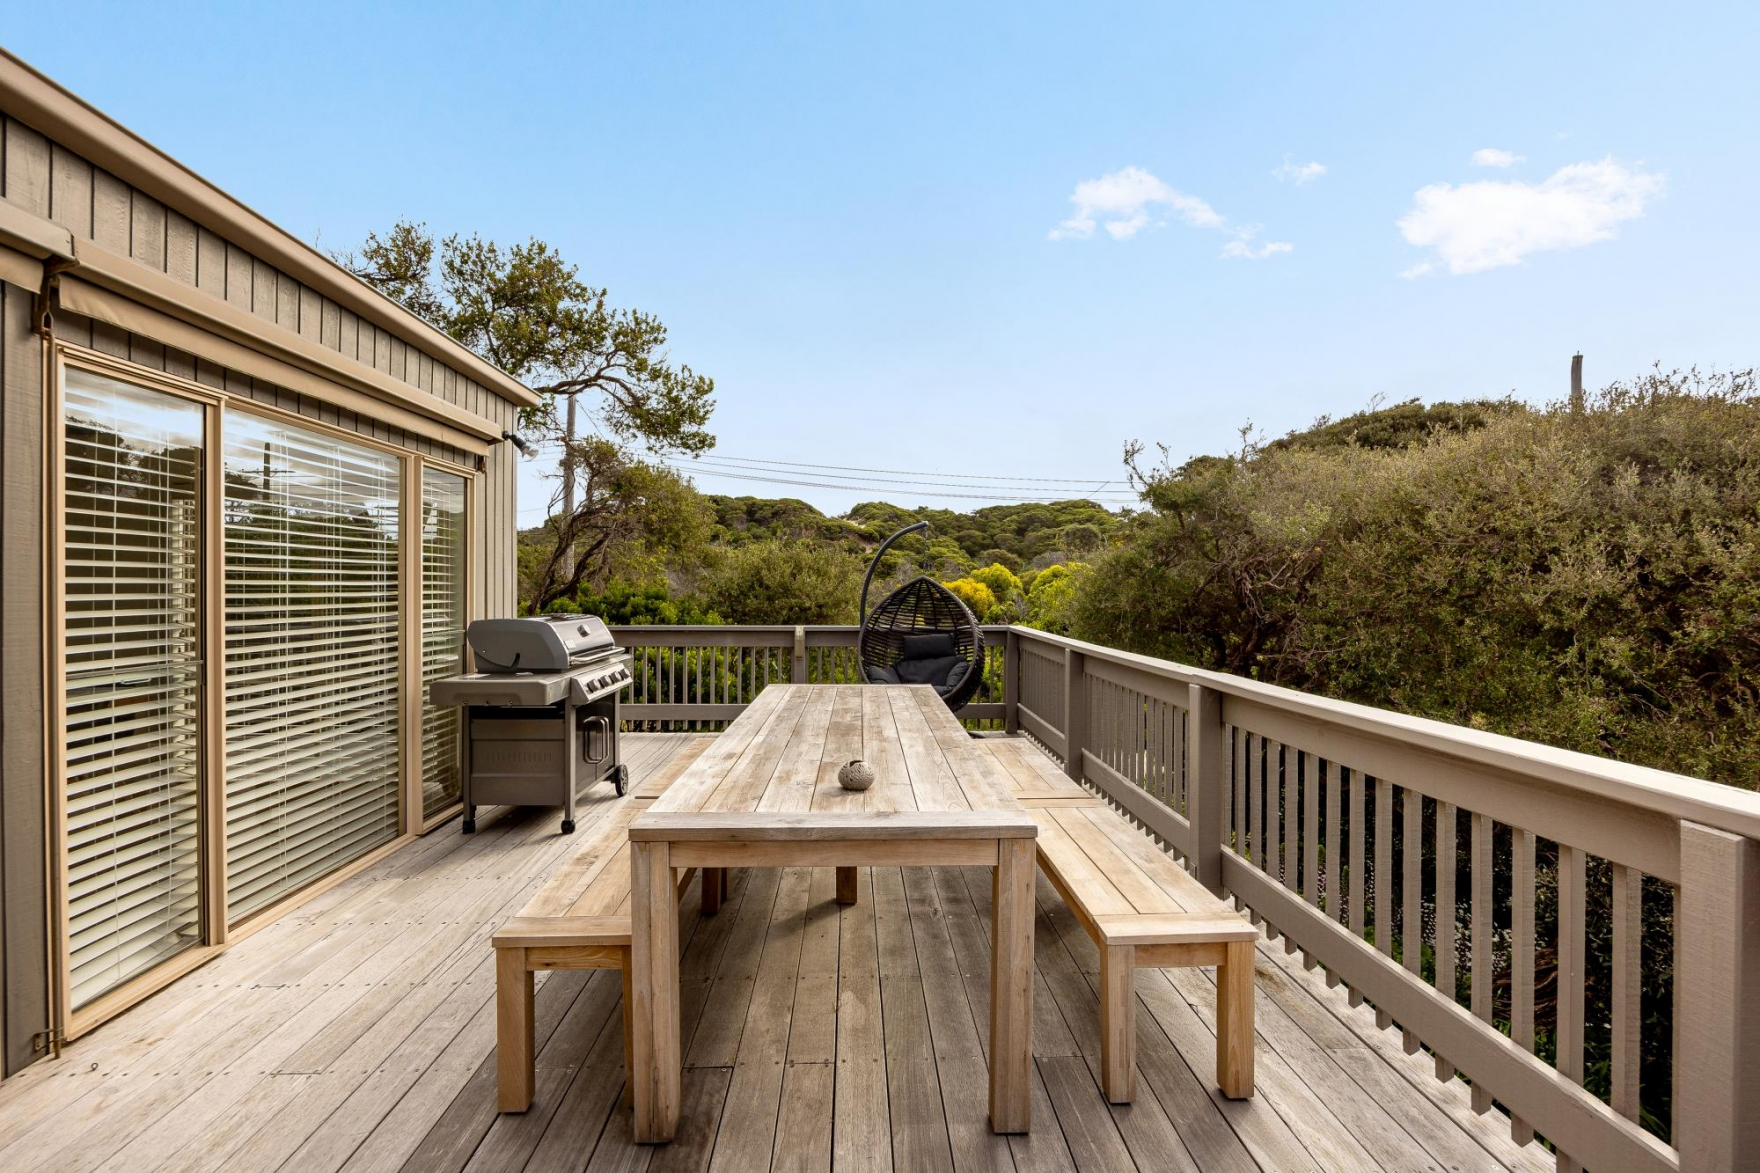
<point>176,232</point>
<point>171,275</point>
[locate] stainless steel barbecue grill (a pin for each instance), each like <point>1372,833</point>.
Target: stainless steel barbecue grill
<point>540,707</point>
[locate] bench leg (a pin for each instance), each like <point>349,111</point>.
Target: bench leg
<point>714,887</point>
<point>846,885</point>
<point>629,1044</point>
<point>1234,1021</point>
<point>513,1030</point>
<point>1118,1023</point>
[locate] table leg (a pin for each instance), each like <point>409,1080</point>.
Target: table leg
<point>654,1035</point>
<point>846,885</point>
<point>1011,988</point>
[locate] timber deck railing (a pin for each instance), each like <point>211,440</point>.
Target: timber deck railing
<point>1590,961</point>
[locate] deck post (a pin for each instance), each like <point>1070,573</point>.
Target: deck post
<point>1075,713</point>
<point>1206,782</point>
<point>1717,966</point>
<point>798,672</point>
<point>1011,684</point>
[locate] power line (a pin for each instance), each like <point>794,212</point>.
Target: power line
<point>778,480</point>
<point>869,481</point>
<point>709,465</point>
<point>911,473</point>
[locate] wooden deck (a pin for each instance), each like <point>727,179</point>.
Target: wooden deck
<point>358,1034</point>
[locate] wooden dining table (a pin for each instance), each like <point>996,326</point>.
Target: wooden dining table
<point>766,794</point>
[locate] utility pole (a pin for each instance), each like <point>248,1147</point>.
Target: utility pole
<point>1576,387</point>
<point>568,480</point>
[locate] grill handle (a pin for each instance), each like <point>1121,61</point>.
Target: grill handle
<point>595,728</point>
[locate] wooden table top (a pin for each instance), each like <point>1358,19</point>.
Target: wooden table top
<point>781,756</point>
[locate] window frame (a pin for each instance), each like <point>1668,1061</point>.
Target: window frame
<point>217,935</point>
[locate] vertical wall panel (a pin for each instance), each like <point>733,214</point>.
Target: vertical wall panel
<point>70,193</point>
<point>23,866</point>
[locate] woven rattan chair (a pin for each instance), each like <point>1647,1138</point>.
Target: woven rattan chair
<point>922,633</point>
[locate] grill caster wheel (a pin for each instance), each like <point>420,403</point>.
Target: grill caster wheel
<point>470,825</point>
<point>568,826</point>
<point>620,779</point>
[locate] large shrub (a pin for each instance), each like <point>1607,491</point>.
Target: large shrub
<point>1587,579</point>
<point>783,582</point>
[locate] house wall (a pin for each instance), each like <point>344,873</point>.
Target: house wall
<point>47,180</point>
<point>24,921</point>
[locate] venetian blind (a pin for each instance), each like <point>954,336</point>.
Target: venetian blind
<point>312,759</point>
<point>443,619</point>
<point>133,476</point>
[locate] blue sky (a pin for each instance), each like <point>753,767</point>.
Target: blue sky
<point>849,214</point>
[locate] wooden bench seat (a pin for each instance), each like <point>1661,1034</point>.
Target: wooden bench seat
<point>579,919</point>
<point>1143,910</point>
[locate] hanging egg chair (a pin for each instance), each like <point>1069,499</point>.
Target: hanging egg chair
<point>921,633</point>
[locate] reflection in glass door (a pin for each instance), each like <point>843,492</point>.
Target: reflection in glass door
<point>132,481</point>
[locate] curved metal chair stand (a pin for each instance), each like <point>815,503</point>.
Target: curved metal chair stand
<point>923,633</point>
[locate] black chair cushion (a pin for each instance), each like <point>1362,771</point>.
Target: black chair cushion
<point>953,678</point>
<point>929,646</point>
<point>934,671</point>
<point>882,675</point>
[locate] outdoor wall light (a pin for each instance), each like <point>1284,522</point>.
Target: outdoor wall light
<point>518,442</point>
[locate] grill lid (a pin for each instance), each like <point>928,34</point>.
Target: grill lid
<point>547,643</point>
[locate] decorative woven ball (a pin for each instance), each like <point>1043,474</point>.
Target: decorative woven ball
<point>855,775</point>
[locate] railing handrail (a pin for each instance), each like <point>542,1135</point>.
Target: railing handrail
<point>1679,796</point>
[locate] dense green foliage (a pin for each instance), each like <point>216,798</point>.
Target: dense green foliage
<point>1589,580</point>
<point>527,310</point>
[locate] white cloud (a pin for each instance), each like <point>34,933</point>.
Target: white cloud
<point>1131,199</point>
<point>1416,271</point>
<point>1491,223</point>
<point>1242,247</point>
<point>1496,157</point>
<point>1298,173</point>
<point>1127,201</point>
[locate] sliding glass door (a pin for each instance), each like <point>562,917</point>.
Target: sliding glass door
<point>251,611</point>
<point>132,483</point>
<point>312,656</point>
<point>443,620</point>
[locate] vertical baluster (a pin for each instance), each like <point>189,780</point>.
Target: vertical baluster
<point>1383,878</point>
<point>1331,874</point>
<point>1571,917</point>
<point>1309,768</point>
<point>1412,892</point>
<point>1292,811</point>
<point>1628,1013</point>
<point>1446,861</point>
<point>1256,789</point>
<point>1359,838</point>
<point>1482,927</point>
<point>1274,831</point>
<point>1289,794</point>
<point>1182,759</point>
<point>1676,1016</point>
<point>1164,718</point>
<point>1272,755</point>
<point>1521,988</point>
<point>1237,769</point>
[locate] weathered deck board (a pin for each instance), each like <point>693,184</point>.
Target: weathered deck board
<point>358,1034</point>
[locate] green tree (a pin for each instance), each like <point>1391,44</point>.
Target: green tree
<point>1052,594</point>
<point>974,594</point>
<point>527,310</point>
<point>783,582</point>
